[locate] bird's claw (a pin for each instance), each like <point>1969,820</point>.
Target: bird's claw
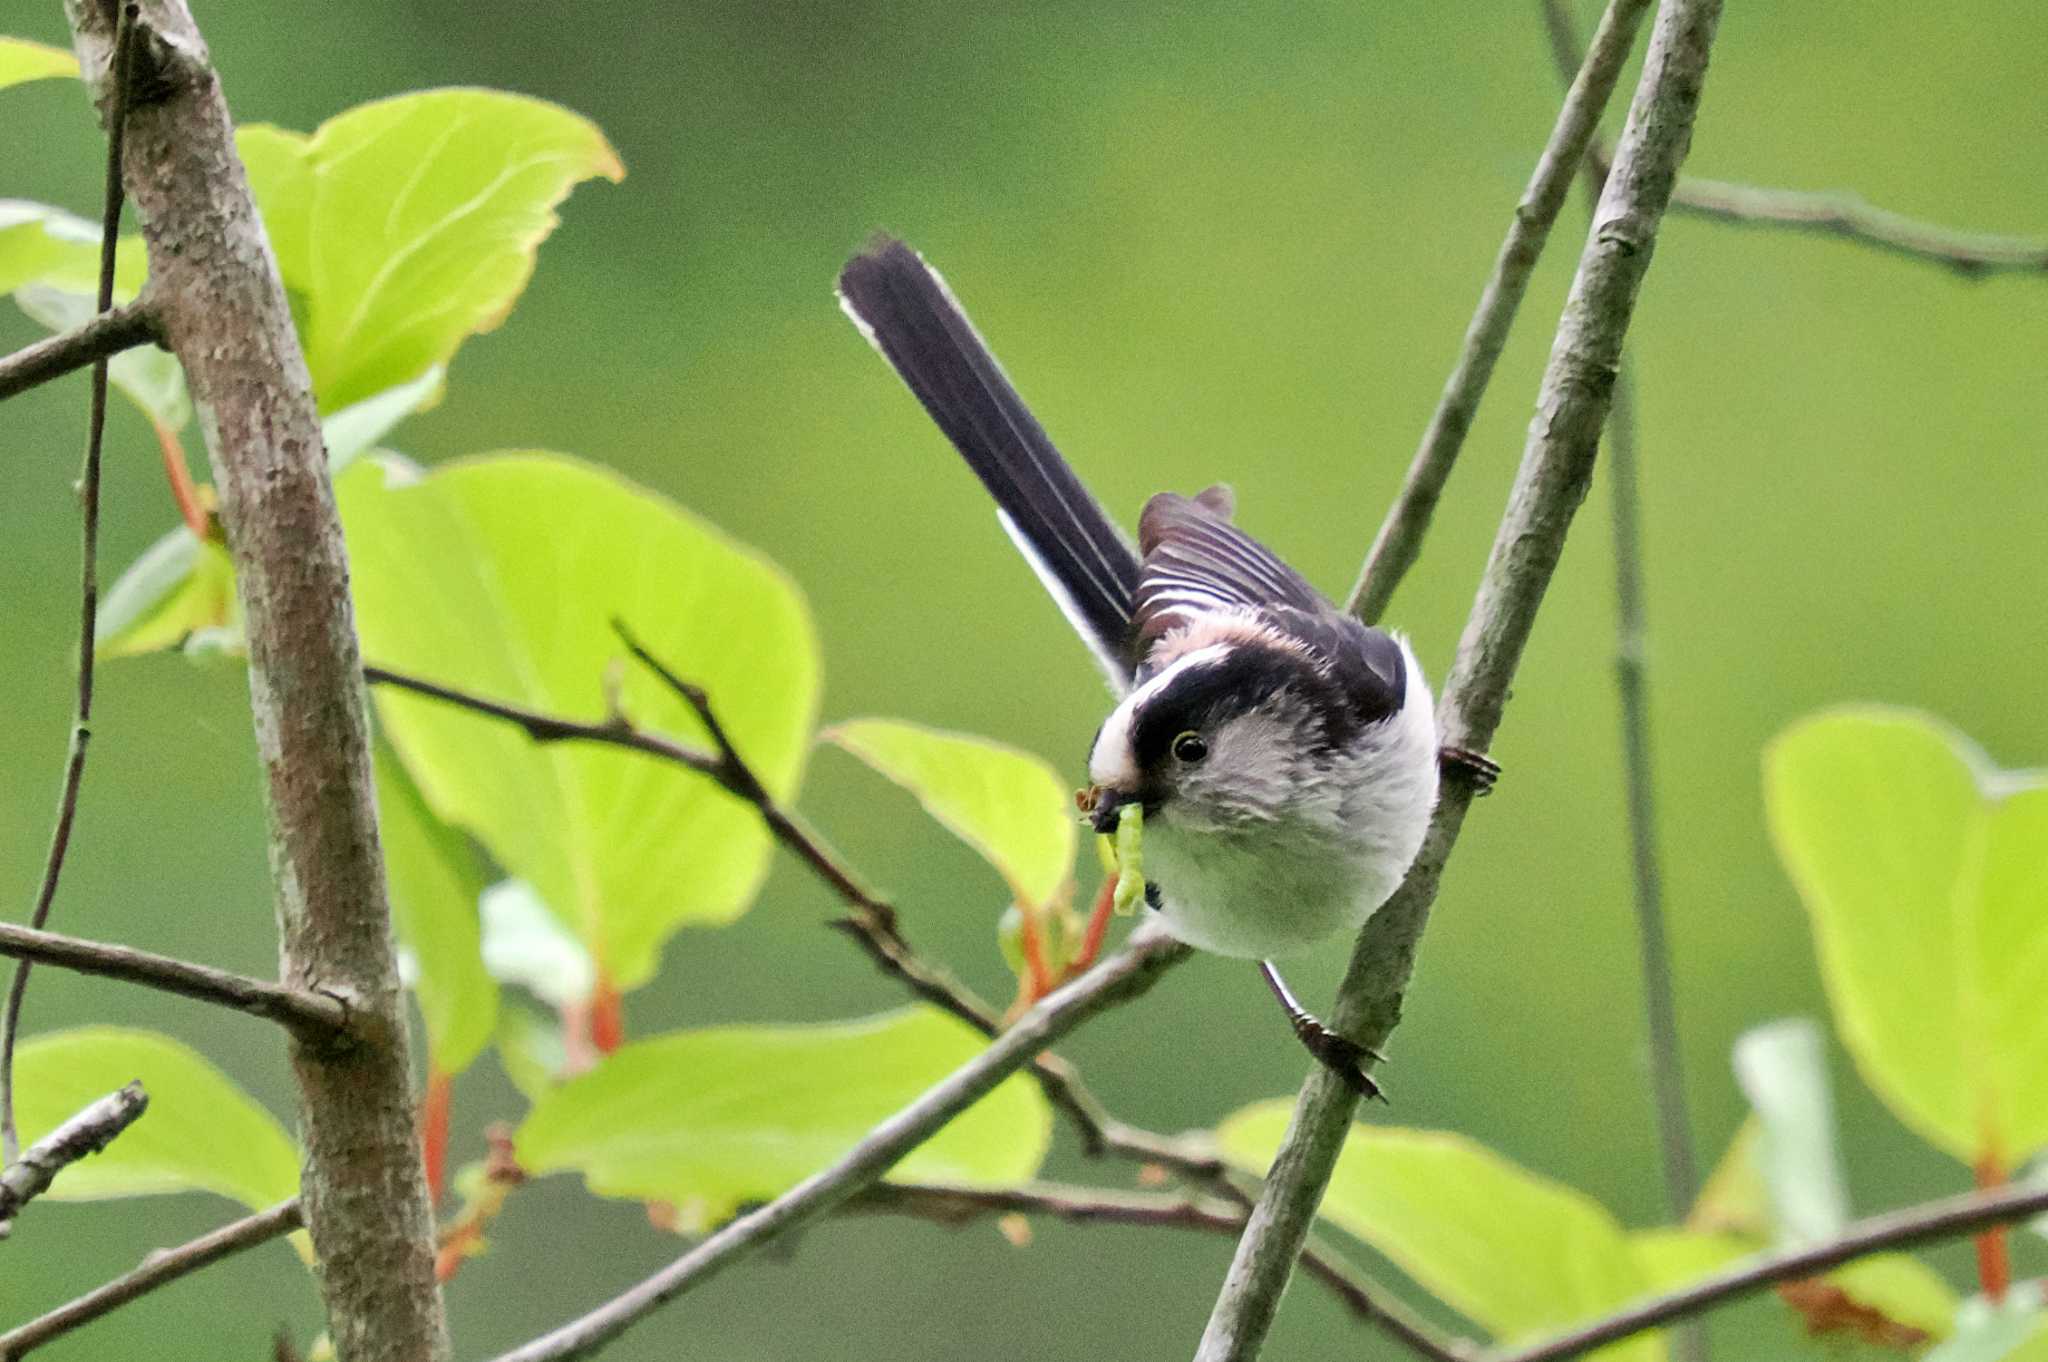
<point>1342,1056</point>
<point>1476,767</point>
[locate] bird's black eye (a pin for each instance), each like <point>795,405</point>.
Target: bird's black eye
<point>1190,747</point>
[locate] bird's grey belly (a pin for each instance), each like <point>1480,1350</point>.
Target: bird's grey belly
<point>1257,895</point>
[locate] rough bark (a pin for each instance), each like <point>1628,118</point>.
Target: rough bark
<point>222,310</point>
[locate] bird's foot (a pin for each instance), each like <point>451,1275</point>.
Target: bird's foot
<point>1475,767</point>
<point>1341,1055</point>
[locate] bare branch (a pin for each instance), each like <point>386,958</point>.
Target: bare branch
<point>316,1017</point>
<point>223,311</point>
<point>123,328</point>
<point>872,922</point>
<point>90,1131</point>
<point>89,581</point>
<point>1557,464</point>
<point>953,1206</point>
<point>1399,541</point>
<point>158,1269</point>
<point>1950,1218</point>
<point>1973,255</point>
<point>1117,980</point>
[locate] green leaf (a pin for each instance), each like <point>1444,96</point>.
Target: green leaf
<point>525,944</point>
<point>436,878</point>
<point>1669,1259</point>
<point>500,575</point>
<point>354,429</point>
<point>1784,1074</point>
<point>150,378</point>
<point>1008,805</point>
<point>708,1120</point>
<point>1516,1253</point>
<point>44,245</point>
<point>178,589</point>
<point>22,61</point>
<point>200,1133</point>
<point>1925,872</point>
<point>1901,1288</point>
<point>1734,1198</point>
<point>406,225</point>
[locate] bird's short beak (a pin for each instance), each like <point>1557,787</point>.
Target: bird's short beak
<point>1109,807</point>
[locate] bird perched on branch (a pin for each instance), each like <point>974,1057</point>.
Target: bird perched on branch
<point>1284,756</point>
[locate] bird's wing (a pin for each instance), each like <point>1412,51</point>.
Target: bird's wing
<point>1196,561</point>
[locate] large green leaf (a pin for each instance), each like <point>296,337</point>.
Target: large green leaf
<point>708,1120</point>
<point>1518,1254</point>
<point>406,225</point>
<point>22,60</point>
<point>1925,872</point>
<point>500,575</point>
<point>201,1132</point>
<point>1008,805</point>
<point>436,879</point>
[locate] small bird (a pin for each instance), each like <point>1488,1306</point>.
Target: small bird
<point>1284,755</point>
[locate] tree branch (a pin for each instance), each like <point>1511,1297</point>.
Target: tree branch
<point>872,922</point>
<point>1117,980</point>
<point>123,328</point>
<point>90,1131</point>
<point>224,314</point>
<point>1950,1218</point>
<point>953,1206</point>
<point>1974,255</point>
<point>1557,464</point>
<point>1399,541</point>
<point>88,585</point>
<point>158,1269</point>
<point>318,1018</point>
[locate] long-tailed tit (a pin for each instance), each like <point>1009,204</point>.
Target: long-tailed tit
<point>1284,754</point>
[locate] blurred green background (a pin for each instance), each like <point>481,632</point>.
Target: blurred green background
<point>1209,241</point>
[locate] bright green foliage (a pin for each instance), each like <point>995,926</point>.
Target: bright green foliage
<point>1902,1289</point>
<point>1925,871</point>
<point>1516,1253</point>
<point>436,878</point>
<point>1783,1071</point>
<point>501,575</point>
<point>179,589</point>
<point>1008,805</point>
<point>1734,1198</point>
<point>530,1048</point>
<point>201,1132</point>
<point>1671,1258</point>
<point>22,60</point>
<point>707,1120</point>
<point>406,225</point>
<point>44,245</point>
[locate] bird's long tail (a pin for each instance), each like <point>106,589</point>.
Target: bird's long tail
<point>906,311</point>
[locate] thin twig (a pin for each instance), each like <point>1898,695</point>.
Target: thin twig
<point>1399,541</point>
<point>316,1017</point>
<point>872,922</point>
<point>125,327</point>
<point>158,1269</point>
<point>953,1205</point>
<point>1974,255</point>
<point>1557,465</point>
<point>1949,1218</point>
<point>1117,980</point>
<point>89,581</point>
<point>88,1132</point>
<point>1631,663</point>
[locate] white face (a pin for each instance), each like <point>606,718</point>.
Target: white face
<point>1211,742</point>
